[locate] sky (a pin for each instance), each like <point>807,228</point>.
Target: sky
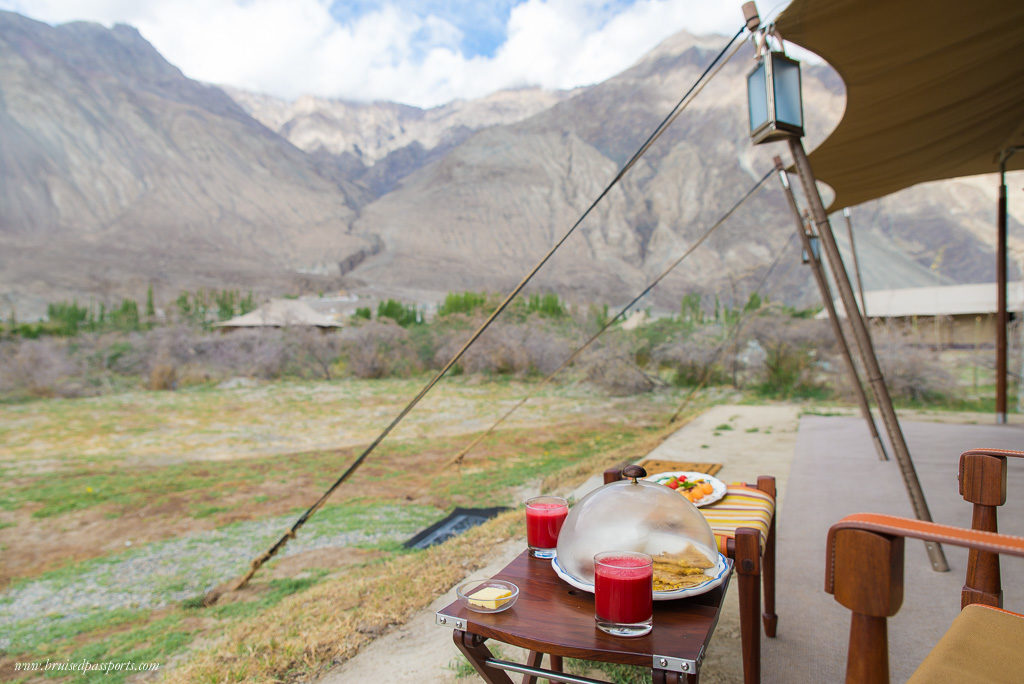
<point>419,52</point>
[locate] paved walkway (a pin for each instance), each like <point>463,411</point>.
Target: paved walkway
<point>835,472</point>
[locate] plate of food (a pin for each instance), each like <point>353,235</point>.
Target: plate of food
<point>676,575</point>
<point>699,488</point>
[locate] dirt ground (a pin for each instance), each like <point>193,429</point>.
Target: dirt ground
<point>747,440</point>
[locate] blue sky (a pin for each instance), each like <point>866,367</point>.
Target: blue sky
<point>420,52</point>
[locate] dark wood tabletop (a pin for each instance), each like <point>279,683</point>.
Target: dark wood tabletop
<point>551,616</point>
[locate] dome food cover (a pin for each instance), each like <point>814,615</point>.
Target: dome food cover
<point>637,515</point>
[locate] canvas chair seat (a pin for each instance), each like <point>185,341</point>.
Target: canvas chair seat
<point>742,506</point>
<point>984,644</point>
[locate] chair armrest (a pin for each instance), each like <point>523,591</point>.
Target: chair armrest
<point>894,526</point>
<point>864,572</point>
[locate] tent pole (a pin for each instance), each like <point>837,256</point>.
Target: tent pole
<point>856,263</point>
<point>1002,319</point>
<point>871,367</point>
<point>833,318</point>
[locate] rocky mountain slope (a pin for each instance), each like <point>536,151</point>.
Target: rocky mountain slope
<point>117,171</point>
<point>479,212</point>
<point>496,202</point>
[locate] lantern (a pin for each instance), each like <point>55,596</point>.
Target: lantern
<point>815,249</point>
<point>773,98</point>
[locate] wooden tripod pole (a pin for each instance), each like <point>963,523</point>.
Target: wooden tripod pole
<point>868,358</point>
<point>856,263</point>
<point>833,318</point>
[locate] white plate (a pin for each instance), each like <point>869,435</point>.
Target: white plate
<point>718,575</point>
<point>715,495</point>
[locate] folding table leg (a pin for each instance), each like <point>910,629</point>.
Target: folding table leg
<point>533,660</point>
<point>472,646</point>
<point>666,677</point>
<point>766,483</point>
<point>748,571</point>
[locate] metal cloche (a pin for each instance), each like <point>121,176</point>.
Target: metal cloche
<point>631,515</point>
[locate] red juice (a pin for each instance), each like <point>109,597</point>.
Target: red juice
<point>543,523</point>
<point>623,589</point>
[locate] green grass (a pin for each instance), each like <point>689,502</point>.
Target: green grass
<point>154,631</point>
<point>491,485</point>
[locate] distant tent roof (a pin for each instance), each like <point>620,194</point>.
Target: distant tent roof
<point>950,300</point>
<point>934,90</point>
<point>280,313</point>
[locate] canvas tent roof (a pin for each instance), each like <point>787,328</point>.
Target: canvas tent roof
<point>934,90</point>
<point>949,300</point>
<point>279,313</point>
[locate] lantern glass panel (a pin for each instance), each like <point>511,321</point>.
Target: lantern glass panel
<point>786,75</point>
<point>757,97</point>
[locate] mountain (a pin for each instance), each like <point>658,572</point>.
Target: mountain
<point>117,171</point>
<point>376,144</point>
<point>478,212</point>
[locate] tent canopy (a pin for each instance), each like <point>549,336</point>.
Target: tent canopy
<point>934,90</point>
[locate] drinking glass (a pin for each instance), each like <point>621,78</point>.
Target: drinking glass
<point>624,593</point>
<point>544,518</point>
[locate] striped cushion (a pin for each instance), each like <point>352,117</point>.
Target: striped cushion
<point>742,506</point>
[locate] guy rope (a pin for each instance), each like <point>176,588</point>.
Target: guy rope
<point>709,72</point>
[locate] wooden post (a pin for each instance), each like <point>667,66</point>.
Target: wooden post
<point>1002,317</point>
<point>833,317</point>
<point>870,361</point>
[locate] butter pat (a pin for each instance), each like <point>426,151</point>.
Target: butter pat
<point>490,598</point>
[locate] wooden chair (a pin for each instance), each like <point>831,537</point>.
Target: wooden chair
<point>864,572</point>
<point>983,484</point>
<point>753,554</point>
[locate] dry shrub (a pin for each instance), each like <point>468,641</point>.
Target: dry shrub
<point>521,348</point>
<point>40,368</point>
<point>695,358</point>
<point>375,350</point>
<point>163,376</point>
<point>312,351</point>
<point>611,367</point>
<point>792,349</point>
<point>911,372</point>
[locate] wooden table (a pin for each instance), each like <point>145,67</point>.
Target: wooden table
<point>553,617</point>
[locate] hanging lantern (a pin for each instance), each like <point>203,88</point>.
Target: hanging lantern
<point>773,98</point>
<point>815,249</point>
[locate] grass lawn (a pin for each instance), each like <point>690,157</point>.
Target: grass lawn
<point>118,513</point>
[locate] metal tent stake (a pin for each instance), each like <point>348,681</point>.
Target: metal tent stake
<point>837,329</point>
<point>863,337</point>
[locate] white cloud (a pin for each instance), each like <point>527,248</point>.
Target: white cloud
<point>293,47</point>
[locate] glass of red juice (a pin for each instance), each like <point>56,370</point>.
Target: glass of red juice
<point>544,518</point>
<point>624,593</point>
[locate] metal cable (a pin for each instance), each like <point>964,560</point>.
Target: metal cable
<point>672,115</point>
<point>622,312</point>
<point>734,337</point>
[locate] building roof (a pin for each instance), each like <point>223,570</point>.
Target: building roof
<point>948,300</point>
<point>280,313</point>
<point>933,90</point>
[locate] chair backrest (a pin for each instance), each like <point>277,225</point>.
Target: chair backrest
<point>983,484</point>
